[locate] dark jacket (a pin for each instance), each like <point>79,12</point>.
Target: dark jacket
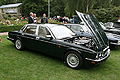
<point>30,20</point>
<point>44,20</point>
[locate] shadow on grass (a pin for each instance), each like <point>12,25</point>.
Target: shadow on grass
<point>86,66</point>
<point>38,53</point>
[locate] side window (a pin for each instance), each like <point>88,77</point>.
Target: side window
<point>30,29</point>
<point>22,28</point>
<point>43,31</point>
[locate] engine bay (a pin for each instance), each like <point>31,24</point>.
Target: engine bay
<point>83,41</point>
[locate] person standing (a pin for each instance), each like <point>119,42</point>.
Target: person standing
<point>35,18</point>
<point>30,18</point>
<point>44,19</point>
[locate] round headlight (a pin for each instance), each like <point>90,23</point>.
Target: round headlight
<point>119,42</point>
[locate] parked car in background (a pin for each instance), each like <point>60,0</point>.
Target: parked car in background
<point>113,36</point>
<point>112,24</point>
<point>80,30</point>
<point>59,41</point>
<point>112,27</point>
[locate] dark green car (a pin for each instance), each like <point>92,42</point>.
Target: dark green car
<point>59,41</point>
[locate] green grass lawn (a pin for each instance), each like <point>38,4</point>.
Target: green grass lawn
<point>30,65</point>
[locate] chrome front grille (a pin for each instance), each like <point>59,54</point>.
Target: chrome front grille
<point>103,53</point>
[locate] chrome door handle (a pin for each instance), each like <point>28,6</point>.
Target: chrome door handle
<point>37,38</point>
<point>22,34</point>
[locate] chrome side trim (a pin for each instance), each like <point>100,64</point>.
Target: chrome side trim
<point>55,43</point>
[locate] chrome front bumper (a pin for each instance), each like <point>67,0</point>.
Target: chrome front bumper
<point>116,44</point>
<point>106,55</point>
<point>11,39</point>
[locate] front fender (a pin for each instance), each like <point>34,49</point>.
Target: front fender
<point>83,52</point>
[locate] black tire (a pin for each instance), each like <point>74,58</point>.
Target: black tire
<point>73,60</point>
<point>18,44</point>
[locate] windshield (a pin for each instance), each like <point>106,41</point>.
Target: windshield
<point>61,32</point>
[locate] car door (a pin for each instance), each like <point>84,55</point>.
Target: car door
<point>29,36</point>
<point>46,44</point>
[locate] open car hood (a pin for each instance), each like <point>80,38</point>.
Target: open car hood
<point>95,29</point>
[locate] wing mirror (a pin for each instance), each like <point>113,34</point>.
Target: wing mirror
<point>81,31</point>
<point>49,37</point>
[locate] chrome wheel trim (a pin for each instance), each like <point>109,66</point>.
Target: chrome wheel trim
<point>73,60</point>
<point>18,44</point>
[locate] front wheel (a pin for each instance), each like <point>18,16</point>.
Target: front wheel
<point>73,60</point>
<point>18,44</point>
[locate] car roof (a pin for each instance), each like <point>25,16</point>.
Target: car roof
<point>71,24</point>
<point>45,25</point>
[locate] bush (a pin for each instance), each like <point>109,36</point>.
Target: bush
<point>4,28</point>
<point>107,15</point>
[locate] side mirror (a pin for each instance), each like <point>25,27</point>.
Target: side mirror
<point>81,31</point>
<point>49,37</point>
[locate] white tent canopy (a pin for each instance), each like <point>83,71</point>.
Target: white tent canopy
<point>10,5</point>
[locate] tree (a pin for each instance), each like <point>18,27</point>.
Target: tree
<point>36,6</point>
<point>115,2</point>
<point>103,4</point>
<point>57,8</point>
<point>81,5</point>
<point>1,2</point>
<point>107,14</point>
<point>87,5</point>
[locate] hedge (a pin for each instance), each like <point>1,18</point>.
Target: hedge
<point>4,28</point>
<point>107,14</point>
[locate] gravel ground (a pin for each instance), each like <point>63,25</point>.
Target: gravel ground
<point>4,33</point>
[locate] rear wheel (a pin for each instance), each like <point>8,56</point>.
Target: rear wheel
<point>73,60</point>
<point>18,44</point>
